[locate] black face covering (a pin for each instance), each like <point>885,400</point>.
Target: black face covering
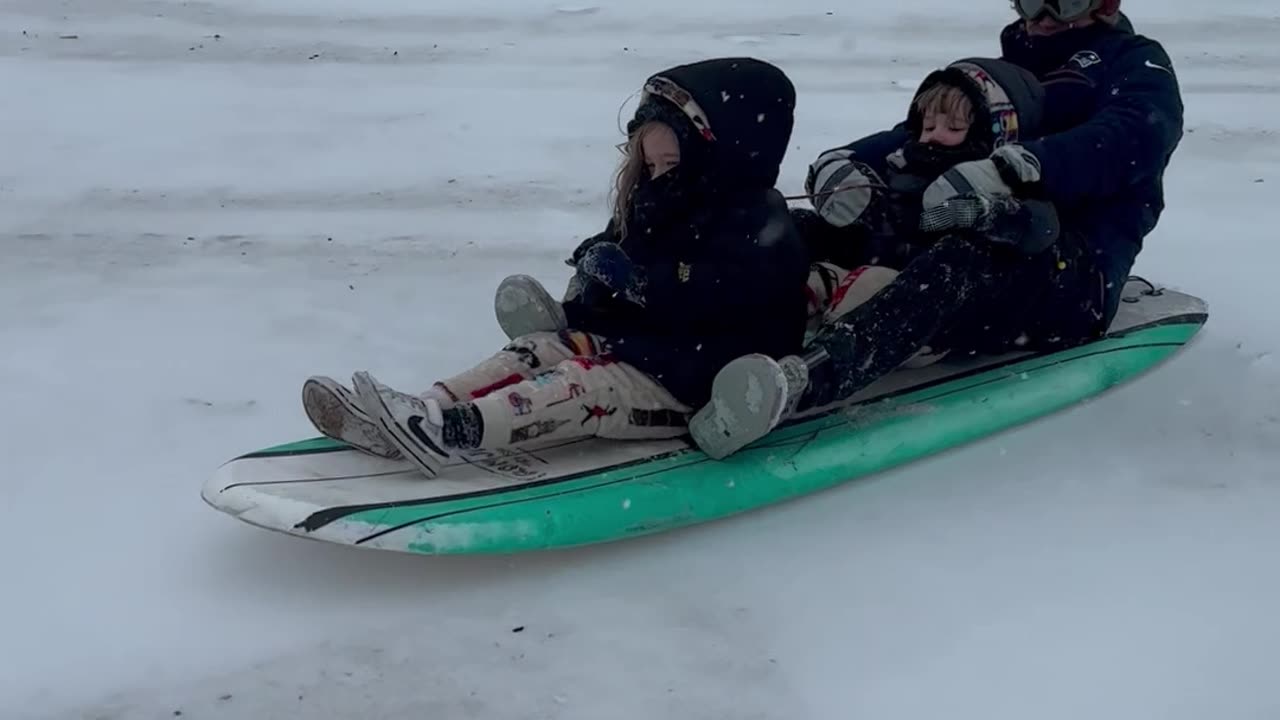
<point>654,198</point>
<point>656,202</point>
<point>930,160</point>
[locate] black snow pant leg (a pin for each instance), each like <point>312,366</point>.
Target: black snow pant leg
<point>950,286</point>
<point>931,292</point>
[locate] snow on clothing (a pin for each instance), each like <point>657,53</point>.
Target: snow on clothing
<point>960,295</point>
<point>835,291</point>
<point>718,261</point>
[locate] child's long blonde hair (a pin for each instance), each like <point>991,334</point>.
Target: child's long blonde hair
<point>630,171</point>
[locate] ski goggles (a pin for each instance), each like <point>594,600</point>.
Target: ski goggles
<point>1060,10</point>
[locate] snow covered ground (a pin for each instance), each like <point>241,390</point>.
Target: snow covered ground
<point>202,203</point>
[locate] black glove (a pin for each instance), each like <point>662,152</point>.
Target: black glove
<point>606,236</point>
<point>607,263</point>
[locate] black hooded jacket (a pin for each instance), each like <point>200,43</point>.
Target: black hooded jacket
<point>725,267</point>
<point>1113,117</point>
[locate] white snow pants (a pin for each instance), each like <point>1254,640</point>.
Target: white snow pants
<point>559,386</point>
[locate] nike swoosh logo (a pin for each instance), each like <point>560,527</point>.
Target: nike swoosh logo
<point>415,428</point>
<point>1150,64</point>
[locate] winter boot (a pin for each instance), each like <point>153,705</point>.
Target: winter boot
<point>749,397</point>
<point>523,307</point>
<point>413,424</point>
<point>336,413</point>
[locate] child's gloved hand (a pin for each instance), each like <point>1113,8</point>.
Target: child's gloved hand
<point>979,196</point>
<point>971,211</point>
<point>1009,167</point>
<point>843,187</point>
<point>572,260</point>
<point>1030,226</point>
<point>608,264</point>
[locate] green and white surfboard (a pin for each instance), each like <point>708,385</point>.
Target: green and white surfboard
<point>591,491</point>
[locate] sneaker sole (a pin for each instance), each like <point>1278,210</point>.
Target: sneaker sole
<point>523,307</point>
<point>336,416</point>
<point>747,399</point>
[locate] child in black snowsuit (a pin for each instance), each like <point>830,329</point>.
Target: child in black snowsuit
<point>700,264</point>
<point>864,228</point>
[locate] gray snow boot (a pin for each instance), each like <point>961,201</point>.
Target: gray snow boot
<point>523,306</point>
<point>749,397</point>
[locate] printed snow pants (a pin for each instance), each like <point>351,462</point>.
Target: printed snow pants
<point>556,386</point>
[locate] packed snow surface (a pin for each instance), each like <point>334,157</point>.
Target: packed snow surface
<point>202,203</point>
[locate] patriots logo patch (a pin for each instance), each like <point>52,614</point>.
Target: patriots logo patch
<point>1084,59</point>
